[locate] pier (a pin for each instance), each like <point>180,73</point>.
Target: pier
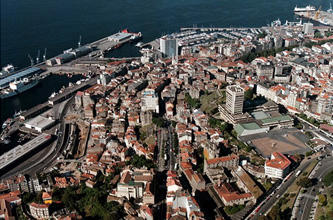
<point>92,51</point>
<point>21,150</point>
<point>322,17</point>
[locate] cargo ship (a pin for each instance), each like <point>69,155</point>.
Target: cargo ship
<point>307,8</point>
<point>18,87</point>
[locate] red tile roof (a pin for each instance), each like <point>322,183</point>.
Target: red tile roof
<point>280,161</point>
<point>222,159</point>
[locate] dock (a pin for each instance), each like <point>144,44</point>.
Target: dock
<point>94,50</point>
<point>21,150</point>
<point>322,17</point>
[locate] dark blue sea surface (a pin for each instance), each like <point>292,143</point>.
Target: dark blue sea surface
<point>31,25</point>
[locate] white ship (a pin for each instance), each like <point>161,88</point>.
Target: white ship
<point>307,8</point>
<point>18,87</point>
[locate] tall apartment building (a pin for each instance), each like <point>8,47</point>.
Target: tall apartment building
<point>235,99</point>
<point>308,28</point>
<point>149,101</point>
<point>169,46</point>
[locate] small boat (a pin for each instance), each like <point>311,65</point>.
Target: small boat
<point>139,44</point>
<point>7,122</point>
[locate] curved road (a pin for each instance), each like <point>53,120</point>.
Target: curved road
<point>279,192</point>
<point>38,162</point>
<point>303,212</point>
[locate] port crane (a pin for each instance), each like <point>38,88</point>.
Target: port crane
<point>79,43</point>
<point>317,13</point>
<point>37,58</point>
<point>31,60</point>
<point>44,56</point>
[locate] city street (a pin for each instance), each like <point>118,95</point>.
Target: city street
<point>307,199</point>
<point>279,191</point>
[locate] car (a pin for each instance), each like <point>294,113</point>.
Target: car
<point>277,196</point>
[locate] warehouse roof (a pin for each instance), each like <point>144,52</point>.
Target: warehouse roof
<point>40,122</point>
<point>120,36</point>
<point>248,126</point>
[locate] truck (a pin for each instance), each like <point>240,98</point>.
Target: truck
<point>298,173</point>
<point>165,157</point>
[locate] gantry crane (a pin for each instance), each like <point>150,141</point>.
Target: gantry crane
<point>317,13</point>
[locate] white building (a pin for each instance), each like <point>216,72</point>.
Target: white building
<point>128,188</point>
<point>277,166</point>
<point>149,101</point>
<point>39,211</point>
<point>308,28</point>
<point>39,123</point>
<point>169,46</point>
<point>235,99</point>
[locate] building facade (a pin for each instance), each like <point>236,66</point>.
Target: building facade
<point>277,166</point>
<point>169,46</point>
<point>235,99</point>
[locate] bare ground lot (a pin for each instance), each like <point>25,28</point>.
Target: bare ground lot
<point>286,141</point>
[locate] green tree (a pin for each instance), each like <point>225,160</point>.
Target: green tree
<point>309,153</point>
<point>248,95</point>
<point>69,198</point>
<point>194,103</point>
<point>28,197</point>
<point>328,33</point>
<point>248,148</point>
<point>159,121</point>
<point>322,199</point>
<point>262,34</point>
<point>318,35</point>
<point>304,182</point>
<point>141,161</point>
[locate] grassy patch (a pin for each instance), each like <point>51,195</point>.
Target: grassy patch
<point>209,102</point>
<point>150,140</point>
<point>267,185</point>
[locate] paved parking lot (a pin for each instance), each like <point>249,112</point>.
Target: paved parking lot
<point>287,141</point>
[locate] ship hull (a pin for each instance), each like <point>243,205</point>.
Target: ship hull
<point>20,90</point>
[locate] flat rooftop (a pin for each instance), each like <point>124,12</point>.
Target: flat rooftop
<point>235,88</point>
<point>19,151</point>
<point>120,36</point>
<point>40,122</point>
